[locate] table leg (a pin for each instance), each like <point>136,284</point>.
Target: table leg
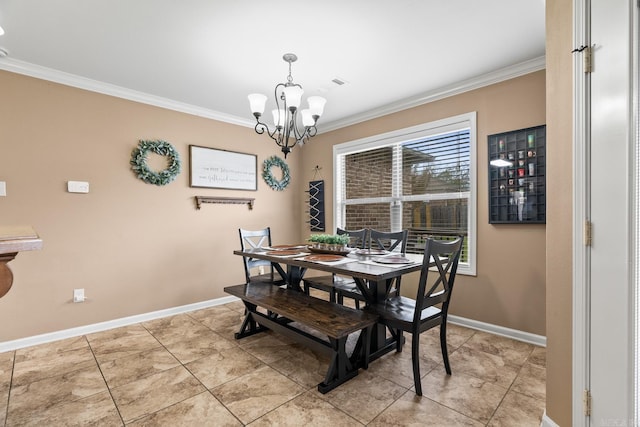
<point>293,275</point>
<point>6,277</point>
<point>280,270</point>
<point>374,292</point>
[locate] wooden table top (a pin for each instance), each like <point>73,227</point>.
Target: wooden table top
<point>358,266</point>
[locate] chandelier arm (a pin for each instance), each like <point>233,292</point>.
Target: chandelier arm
<point>280,97</point>
<point>261,127</point>
<point>282,138</point>
<point>312,131</point>
<point>294,127</point>
<point>305,133</point>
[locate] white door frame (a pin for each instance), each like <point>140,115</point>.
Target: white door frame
<point>610,373</point>
<point>581,192</point>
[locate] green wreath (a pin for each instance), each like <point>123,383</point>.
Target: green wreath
<point>268,176</point>
<point>139,162</point>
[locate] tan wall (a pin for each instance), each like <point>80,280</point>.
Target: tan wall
<point>509,289</point>
<point>559,18</point>
<point>133,247</point>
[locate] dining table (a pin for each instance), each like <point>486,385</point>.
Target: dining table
<point>372,274</point>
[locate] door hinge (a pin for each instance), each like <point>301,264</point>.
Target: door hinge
<point>586,402</point>
<point>587,56</point>
<point>588,233</point>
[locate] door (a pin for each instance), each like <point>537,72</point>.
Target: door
<point>609,267</point>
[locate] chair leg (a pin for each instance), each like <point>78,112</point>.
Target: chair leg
<point>305,288</point>
<point>399,341</point>
<point>443,346</point>
<point>415,359</point>
<point>357,303</point>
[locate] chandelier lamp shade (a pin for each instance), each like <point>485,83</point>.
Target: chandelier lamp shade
<point>288,130</point>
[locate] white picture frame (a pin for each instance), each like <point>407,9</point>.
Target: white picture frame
<point>215,168</point>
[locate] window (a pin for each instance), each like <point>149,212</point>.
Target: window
<point>422,179</point>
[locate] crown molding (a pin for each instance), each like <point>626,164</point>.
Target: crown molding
<point>44,73</point>
<point>488,79</point>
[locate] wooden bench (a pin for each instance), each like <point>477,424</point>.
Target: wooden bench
<point>336,322</point>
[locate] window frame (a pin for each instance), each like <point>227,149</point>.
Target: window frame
<point>407,135</point>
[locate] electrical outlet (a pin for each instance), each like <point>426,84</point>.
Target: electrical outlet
<point>78,295</point>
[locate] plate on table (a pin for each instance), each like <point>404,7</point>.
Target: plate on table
<point>283,252</point>
<point>393,259</point>
<point>287,247</point>
<point>370,252</point>
<point>324,258</point>
<point>327,251</point>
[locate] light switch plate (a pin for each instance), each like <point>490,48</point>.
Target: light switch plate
<point>77,186</point>
<point>3,188</point>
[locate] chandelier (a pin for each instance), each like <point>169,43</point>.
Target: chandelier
<point>287,131</point>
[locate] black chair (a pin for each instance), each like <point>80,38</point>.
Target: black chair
<point>401,314</point>
<point>357,239</point>
<point>384,240</point>
<point>250,239</point>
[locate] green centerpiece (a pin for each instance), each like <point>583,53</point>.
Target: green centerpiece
<point>329,242</point>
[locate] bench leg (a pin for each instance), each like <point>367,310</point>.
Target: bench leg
<point>341,369</point>
<point>249,325</point>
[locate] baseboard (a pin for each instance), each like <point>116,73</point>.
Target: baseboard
<point>499,330</point>
<point>547,422</point>
<point>116,323</point>
<point>125,321</point>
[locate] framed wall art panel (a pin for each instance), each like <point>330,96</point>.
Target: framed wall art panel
<point>214,168</point>
<point>517,170</point>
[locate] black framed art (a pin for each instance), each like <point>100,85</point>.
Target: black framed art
<point>517,171</point>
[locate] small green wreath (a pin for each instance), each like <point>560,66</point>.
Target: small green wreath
<point>139,162</point>
<point>268,176</point>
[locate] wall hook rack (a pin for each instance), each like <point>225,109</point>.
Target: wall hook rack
<point>224,200</point>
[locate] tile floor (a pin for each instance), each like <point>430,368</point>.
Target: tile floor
<point>187,370</point>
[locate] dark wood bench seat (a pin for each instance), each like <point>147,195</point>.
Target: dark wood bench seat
<point>336,322</point>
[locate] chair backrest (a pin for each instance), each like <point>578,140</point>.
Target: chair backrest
<point>435,287</point>
<point>253,239</point>
<point>357,238</point>
<point>388,241</point>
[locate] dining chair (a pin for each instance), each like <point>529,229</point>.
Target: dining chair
<point>383,240</point>
<point>402,314</point>
<point>357,239</point>
<point>254,239</point>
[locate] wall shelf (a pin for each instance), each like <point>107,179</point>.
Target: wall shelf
<point>224,200</point>
<point>517,190</point>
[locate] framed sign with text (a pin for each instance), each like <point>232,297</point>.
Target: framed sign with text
<point>214,168</point>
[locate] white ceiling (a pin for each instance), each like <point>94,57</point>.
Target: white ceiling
<point>205,56</point>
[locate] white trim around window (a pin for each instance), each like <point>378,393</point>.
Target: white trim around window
<point>416,133</point>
